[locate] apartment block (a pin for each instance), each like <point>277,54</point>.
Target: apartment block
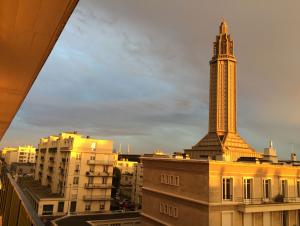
<point>73,174</point>
<point>137,184</point>
<point>126,164</point>
<point>21,154</point>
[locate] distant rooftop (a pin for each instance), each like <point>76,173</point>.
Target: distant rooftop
<point>82,220</point>
<point>33,188</point>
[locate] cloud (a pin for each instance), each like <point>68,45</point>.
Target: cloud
<point>138,73</point>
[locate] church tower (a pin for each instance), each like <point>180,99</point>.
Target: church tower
<point>222,141</point>
<point>222,103</point>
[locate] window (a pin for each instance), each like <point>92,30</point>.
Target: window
<point>298,188</point>
<point>283,187</point>
<point>168,209</point>
<point>78,156</point>
<point>47,210</point>
<point>60,207</point>
<point>92,157</point>
<point>104,180</point>
<point>267,188</point>
<point>77,168</point>
<point>105,168</point>
<point>284,218</point>
<point>90,180</point>
<point>102,205</point>
<point>75,180</point>
<point>175,212</point>
<point>161,208</point>
<point>227,188</point>
<point>162,178</point>
<point>169,179</point>
<point>248,188</point>
<point>87,207</point>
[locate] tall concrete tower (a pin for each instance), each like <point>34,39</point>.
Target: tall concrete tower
<point>222,103</point>
<point>222,141</point>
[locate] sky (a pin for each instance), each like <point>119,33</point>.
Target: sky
<point>137,72</point>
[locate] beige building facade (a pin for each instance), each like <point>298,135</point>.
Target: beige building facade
<point>21,154</point>
<point>137,185</point>
<point>219,193</point>
<point>226,182</point>
<point>73,174</point>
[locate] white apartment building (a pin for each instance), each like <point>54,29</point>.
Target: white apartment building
<point>72,174</point>
<point>21,154</point>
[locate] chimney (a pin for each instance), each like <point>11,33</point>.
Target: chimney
<point>293,157</point>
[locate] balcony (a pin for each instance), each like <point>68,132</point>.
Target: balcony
<point>66,148</point>
<point>278,203</point>
<point>49,178</point>
<point>97,174</point>
<point>96,198</point>
<point>52,150</point>
<point>100,162</point>
<point>96,185</point>
<point>43,150</point>
<point>50,169</point>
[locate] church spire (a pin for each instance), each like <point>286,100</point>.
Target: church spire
<point>223,44</point>
<point>223,27</point>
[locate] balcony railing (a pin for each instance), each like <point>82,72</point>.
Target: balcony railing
<point>97,174</point>
<point>52,150</point>
<point>100,162</point>
<point>96,198</point>
<point>96,185</point>
<point>15,208</point>
<point>273,200</point>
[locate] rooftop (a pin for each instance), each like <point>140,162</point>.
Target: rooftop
<point>33,188</point>
<point>81,220</point>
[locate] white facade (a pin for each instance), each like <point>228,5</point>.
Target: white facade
<point>21,154</point>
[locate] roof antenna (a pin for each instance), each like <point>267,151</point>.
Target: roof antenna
<point>120,148</point>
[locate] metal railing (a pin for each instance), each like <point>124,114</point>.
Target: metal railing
<point>96,198</point>
<point>97,185</point>
<point>274,200</point>
<point>97,174</point>
<point>100,162</point>
<point>15,208</point>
